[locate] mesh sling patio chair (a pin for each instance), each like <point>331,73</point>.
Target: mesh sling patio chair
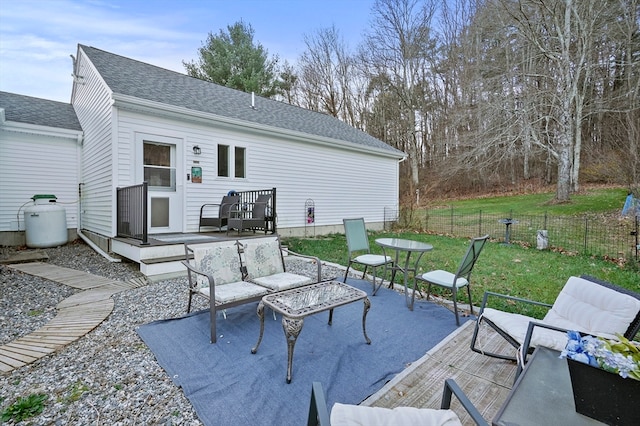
<point>354,415</point>
<point>585,304</point>
<point>360,252</point>
<point>222,211</point>
<point>255,218</point>
<point>461,278</point>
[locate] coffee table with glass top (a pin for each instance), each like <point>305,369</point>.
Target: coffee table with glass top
<point>298,303</point>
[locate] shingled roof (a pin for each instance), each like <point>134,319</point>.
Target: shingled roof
<point>144,81</point>
<point>41,112</point>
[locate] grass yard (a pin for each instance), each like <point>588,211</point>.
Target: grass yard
<point>511,269</point>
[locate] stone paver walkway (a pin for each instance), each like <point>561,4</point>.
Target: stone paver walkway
<point>77,314</point>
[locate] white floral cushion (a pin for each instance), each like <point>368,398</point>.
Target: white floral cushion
<point>220,260</point>
<point>232,292</point>
<point>357,415</point>
<point>262,257</point>
<point>582,305</point>
<point>282,281</point>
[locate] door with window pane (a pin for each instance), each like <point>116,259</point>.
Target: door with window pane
<point>160,168</point>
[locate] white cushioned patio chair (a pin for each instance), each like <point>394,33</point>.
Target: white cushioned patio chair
<point>215,274</point>
<point>360,252</point>
<point>585,304</point>
<point>358,415</point>
<point>263,264</point>
<point>454,281</point>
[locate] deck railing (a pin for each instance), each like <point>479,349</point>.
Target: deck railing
<point>132,212</point>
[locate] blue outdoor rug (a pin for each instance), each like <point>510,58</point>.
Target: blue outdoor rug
<point>228,385</point>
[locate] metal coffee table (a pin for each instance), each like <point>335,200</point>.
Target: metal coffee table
<point>296,304</point>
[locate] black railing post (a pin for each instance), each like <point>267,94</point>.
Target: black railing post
<point>145,210</point>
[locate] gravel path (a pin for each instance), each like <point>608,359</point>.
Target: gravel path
<point>109,376</point>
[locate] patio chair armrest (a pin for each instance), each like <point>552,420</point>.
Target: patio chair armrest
<point>451,387</point>
<point>304,256</point>
<point>488,294</point>
<point>318,410</point>
<point>524,349</point>
<point>192,269</point>
<point>202,207</point>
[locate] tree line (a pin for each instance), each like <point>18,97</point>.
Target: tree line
<point>480,94</point>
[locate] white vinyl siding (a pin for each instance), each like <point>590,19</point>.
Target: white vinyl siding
<point>342,183</point>
<point>92,103</point>
<point>33,164</point>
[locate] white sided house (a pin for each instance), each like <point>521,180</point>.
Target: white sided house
<point>130,122</point>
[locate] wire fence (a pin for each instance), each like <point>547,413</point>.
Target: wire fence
<point>614,237</point>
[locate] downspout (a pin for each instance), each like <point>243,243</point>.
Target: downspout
<point>96,248</point>
<point>86,239</point>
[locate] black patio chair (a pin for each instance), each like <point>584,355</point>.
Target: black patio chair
<point>217,215</point>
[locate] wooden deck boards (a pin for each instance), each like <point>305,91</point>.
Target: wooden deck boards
<point>485,380</point>
<point>77,315</point>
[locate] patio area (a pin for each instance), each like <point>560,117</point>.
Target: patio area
<point>486,381</point>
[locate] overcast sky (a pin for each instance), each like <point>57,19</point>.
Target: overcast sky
<point>37,36</point>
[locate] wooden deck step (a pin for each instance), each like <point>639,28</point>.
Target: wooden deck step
<point>77,315</point>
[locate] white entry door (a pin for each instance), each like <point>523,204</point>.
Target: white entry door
<point>162,168</point>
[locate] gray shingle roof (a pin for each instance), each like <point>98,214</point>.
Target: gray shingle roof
<point>134,78</point>
<point>42,112</point>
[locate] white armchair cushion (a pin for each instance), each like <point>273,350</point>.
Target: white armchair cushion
<point>357,415</point>
<point>591,308</point>
<point>515,325</point>
<point>582,305</point>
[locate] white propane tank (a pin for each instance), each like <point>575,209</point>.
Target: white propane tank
<point>45,223</point>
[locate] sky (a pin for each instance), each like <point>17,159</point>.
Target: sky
<point>37,36</point>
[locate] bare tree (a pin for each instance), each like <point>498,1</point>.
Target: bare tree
<point>396,53</point>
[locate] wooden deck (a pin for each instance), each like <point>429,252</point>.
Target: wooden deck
<point>77,314</point>
<point>485,380</point>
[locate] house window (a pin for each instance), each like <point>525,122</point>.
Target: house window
<point>159,166</point>
<point>223,160</point>
<point>239,161</point>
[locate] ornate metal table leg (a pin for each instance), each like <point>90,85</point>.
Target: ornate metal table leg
<point>260,313</point>
<point>292,328</point>
<point>367,306</point>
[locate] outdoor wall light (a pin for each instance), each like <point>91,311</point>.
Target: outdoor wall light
<point>197,150</point>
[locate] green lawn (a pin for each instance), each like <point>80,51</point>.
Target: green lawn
<point>589,201</point>
<point>510,269</point>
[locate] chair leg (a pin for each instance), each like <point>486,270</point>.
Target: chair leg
<point>189,302</point>
<point>469,294</point>
<point>375,289</point>
<point>346,272</point>
<point>455,304</point>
